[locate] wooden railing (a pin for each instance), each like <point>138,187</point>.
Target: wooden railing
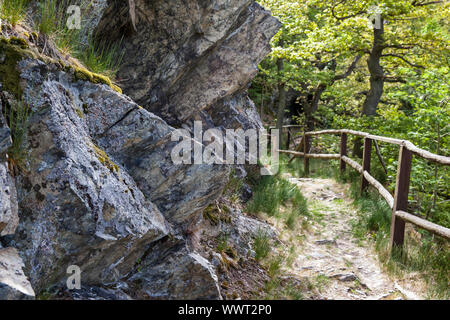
<point>399,202</point>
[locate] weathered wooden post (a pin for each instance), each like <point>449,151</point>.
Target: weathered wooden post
<point>288,138</point>
<point>269,138</point>
<point>366,163</point>
<point>306,143</point>
<point>343,151</point>
<point>401,196</point>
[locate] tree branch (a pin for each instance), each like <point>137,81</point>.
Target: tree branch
<point>349,69</point>
<point>345,17</point>
<point>393,79</point>
<point>402,58</point>
<point>421,4</point>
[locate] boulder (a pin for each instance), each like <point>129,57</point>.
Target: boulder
<point>189,60</point>
<point>14,285</point>
<point>9,218</point>
<point>172,271</point>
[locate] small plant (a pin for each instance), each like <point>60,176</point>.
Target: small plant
<point>51,17</point>
<point>233,187</point>
<point>13,11</point>
<point>18,121</point>
<point>222,243</point>
<point>101,57</point>
<point>321,281</point>
<point>261,245</point>
<point>274,266</point>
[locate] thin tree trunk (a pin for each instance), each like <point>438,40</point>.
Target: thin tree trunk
<point>376,72</point>
<point>433,208</point>
<point>281,100</point>
<point>373,97</point>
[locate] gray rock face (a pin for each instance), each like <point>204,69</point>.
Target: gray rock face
<point>5,138</point>
<point>173,272</point>
<point>192,59</point>
<point>97,166</point>
<point>8,202</point>
<point>77,207</point>
<point>14,285</point>
<point>100,189</point>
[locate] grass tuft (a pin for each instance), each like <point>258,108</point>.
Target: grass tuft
<point>261,245</point>
<point>17,119</point>
<point>13,11</point>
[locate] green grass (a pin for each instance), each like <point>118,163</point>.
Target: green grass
<point>13,11</point>
<point>261,245</point>
<point>271,193</point>
<point>51,17</point>
<point>101,57</point>
<point>18,122</point>
<point>429,255</point>
<point>97,56</point>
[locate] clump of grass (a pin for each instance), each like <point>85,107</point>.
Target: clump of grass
<point>274,267</point>
<point>17,119</point>
<point>13,11</point>
<point>97,56</point>
<point>272,192</point>
<point>222,243</point>
<point>51,17</point>
<point>321,281</point>
<point>101,57</point>
<point>232,189</point>
<point>261,245</point>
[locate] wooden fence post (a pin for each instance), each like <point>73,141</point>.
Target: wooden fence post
<point>401,196</point>
<point>343,151</point>
<point>288,138</point>
<point>306,142</point>
<point>366,163</point>
<point>269,139</point>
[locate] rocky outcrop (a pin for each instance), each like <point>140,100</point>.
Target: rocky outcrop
<point>172,271</point>
<point>98,187</point>
<point>14,285</point>
<point>8,202</point>
<point>191,60</point>
<point>98,164</point>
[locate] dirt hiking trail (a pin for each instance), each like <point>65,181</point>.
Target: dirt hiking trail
<point>344,267</point>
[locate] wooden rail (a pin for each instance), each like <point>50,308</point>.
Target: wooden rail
<point>399,202</point>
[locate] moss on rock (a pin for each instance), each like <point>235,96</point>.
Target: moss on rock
<point>104,159</point>
<point>14,49</point>
<point>81,73</point>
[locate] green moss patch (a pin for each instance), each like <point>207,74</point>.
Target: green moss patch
<point>104,159</point>
<point>85,75</point>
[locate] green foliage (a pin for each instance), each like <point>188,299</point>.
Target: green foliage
<point>272,192</point>
<point>222,243</point>
<point>101,57</point>
<point>17,118</point>
<point>51,17</point>
<point>13,11</point>
<point>261,245</point>
<point>97,56</point>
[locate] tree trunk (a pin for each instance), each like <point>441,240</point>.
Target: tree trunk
<point>373,97</point>
<point>376,72</point>
<point>281,100</point>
